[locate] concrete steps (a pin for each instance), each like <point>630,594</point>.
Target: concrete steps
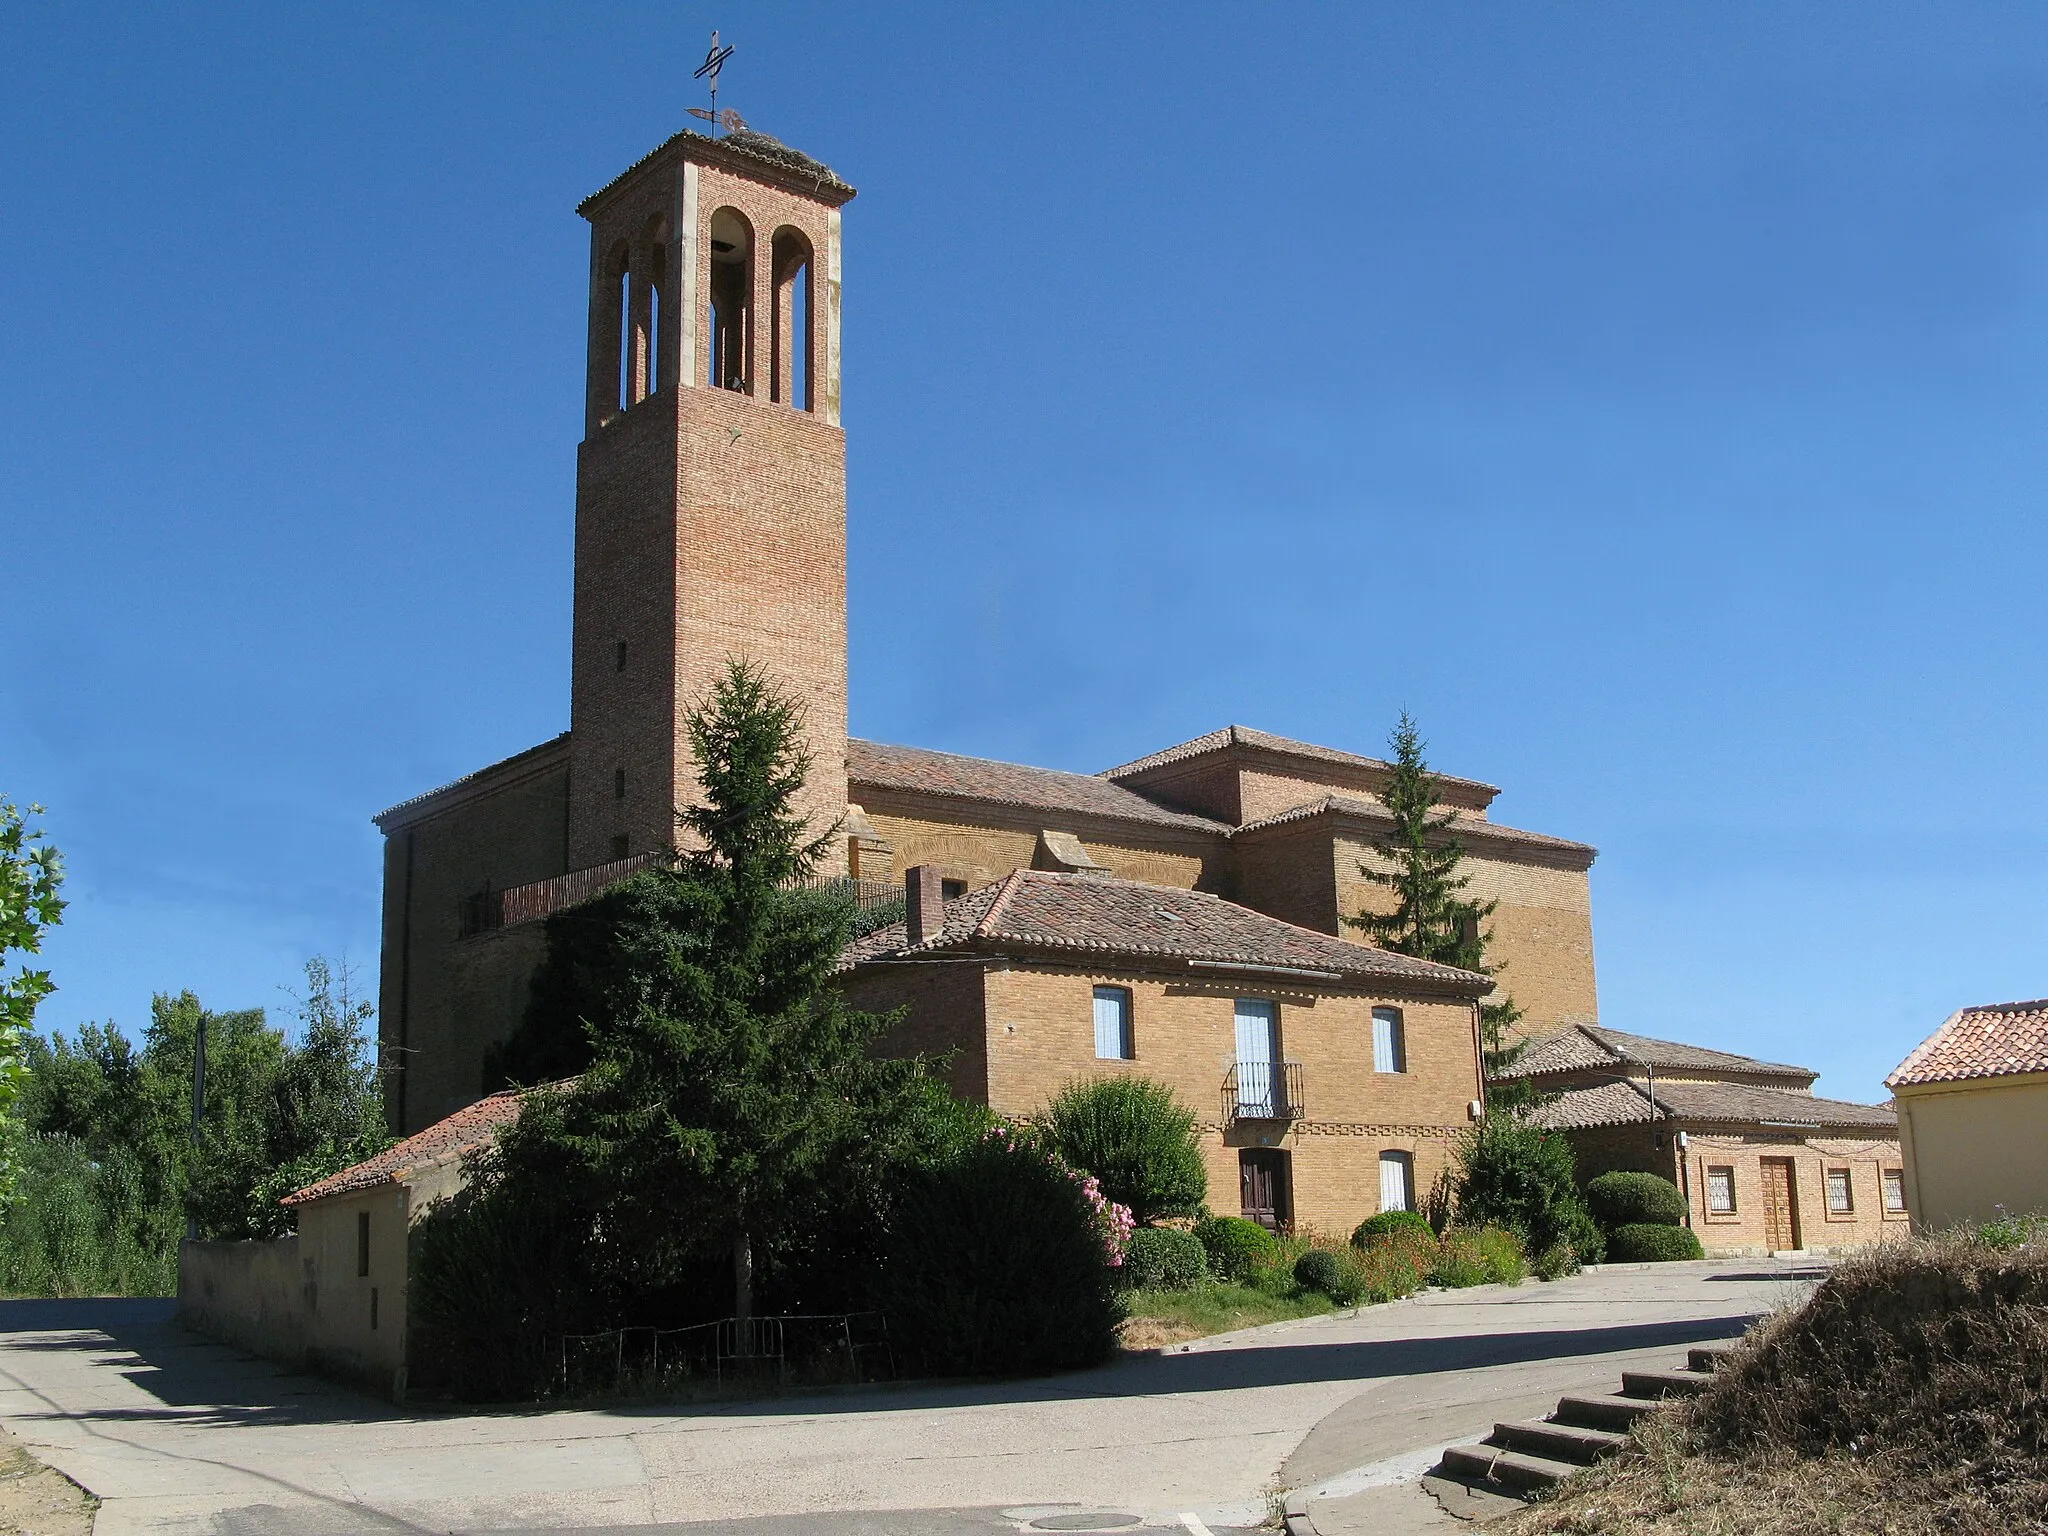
<point>1535,1453</point>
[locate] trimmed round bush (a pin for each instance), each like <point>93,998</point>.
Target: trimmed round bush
<point>1235,1247</point>
<point>995,1266</point>
<point>1635,1199</point>
<point>1318,1270</point>
<point>1387,1223</point>
<point>1138,1141</point>
<point>1164,1259</point>
<point>1651,1243</point>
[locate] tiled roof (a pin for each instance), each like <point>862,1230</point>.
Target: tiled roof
<point>984,779</point>
<point>1587,1047</point>
<point>1245,736</point>
<point>1034,909</point>
<point>1626,1103</point>
<point>1468,829</point>
<point>517,759</point>
<point>1997,1040</point>
<point>466,1128</point>
<point>748,148</point>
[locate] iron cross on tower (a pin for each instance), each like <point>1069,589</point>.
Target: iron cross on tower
<point>714,61</point>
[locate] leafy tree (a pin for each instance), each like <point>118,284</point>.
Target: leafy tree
<point>1432,917</point>
<point>31,871</point>
<point>1138,1141</point>
<point>730,1094</point>
<point>1514,1174</point>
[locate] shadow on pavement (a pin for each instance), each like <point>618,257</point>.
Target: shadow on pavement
<point>196,1381</point>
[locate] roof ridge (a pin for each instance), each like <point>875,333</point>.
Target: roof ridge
<point>1009,883</point>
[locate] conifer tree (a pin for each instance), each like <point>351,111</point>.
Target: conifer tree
<point>1432,917</point>
<point>729,1086</point>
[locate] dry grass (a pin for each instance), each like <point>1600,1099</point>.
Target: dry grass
<point>1908,1396</point>
<point>35,1501</point>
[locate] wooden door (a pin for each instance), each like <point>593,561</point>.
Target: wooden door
<point>1781,1205</point>
<point>1262,1176</point>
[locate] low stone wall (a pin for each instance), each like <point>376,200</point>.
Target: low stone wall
<point>256,1296</point>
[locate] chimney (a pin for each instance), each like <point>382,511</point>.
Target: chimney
<point>924,902</point>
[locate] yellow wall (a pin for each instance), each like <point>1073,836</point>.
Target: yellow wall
<point>1974,1147</point>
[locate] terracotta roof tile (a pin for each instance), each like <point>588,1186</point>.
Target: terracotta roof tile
<point>984,779</point>
<point>1628,1103</point>
<point>1997,1040</point>
<point>469,1127</point>
<point>1038,910</point>
<point>1586,1047</point>
<point>1244,736</point>
<point>1472,830</point>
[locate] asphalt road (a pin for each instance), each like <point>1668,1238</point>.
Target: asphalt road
<point>180,1435</point>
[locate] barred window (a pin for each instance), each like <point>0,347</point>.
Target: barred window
<point>1721,1191</point>
<point>1840,1201</point>
<point>1895,1191</point>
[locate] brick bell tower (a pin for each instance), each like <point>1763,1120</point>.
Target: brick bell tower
<point>711,481</point>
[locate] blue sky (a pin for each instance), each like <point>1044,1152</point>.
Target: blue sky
<point>1647,397</point>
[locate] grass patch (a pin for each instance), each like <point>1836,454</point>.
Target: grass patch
<point>1167,1317</point>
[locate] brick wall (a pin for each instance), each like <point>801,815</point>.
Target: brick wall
<point>1041,1036</point>
<point>943,1017</point>
<point>437,1011</point>
<point>710,525</point>
<point>1542,931</point>
<point>993,843</point>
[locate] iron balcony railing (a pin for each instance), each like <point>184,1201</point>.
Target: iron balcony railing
<point>1263,1090</point>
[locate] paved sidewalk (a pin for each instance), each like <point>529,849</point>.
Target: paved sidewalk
<point>180,1435</point>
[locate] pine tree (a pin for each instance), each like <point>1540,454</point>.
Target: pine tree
<point>730,1088</point>
<point>1433,918</point>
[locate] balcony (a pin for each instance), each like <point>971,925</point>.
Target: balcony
<point>1263,1090</point>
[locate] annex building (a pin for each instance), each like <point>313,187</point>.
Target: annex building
<point>1179,915</point>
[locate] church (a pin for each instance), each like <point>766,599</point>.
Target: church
<point>1180,915</point>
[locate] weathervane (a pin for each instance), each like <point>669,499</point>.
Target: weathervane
<point>714,61</point>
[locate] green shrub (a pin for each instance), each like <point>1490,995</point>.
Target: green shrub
<point>1236,1247</point>
<point>1635,1199</point>
<point>1138,1141</point>
<point>1318,1270</point>
<point>1513,1174</point>
<point>1163,1259</point>
<point>2009,1232</point>
<point>1502,1254</point>
<point>1647,1243</point>
<point>1386,1224</point>
<point>1556,1261</point>
<point>1388,1271</point>
<point>995,1265</point>
<point>1459,1262</point>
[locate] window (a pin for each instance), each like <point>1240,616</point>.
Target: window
<point>619,847</point>
<point>1389,1043</point>
<point>1840,1202</point>
<point>373,1309</point>
<point>1720,1191</point>
<point>948,889</point>
<point>1113,1024</point>
<point>1397,1181</point>
<point>618,783</point>
<point>622,657</point>
<point>790,325</point>
<point>362,1242</point>
<point>1261,1094</point>
<point>1895,1191</point>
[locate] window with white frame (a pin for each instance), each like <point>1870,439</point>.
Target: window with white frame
<point>1397,1181</point>
<point>1721,1191</point>
<point>1113,1024</point>
<point>1895,1191</point>
<point>1389,1041</point>
<point>1841,1201</point>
